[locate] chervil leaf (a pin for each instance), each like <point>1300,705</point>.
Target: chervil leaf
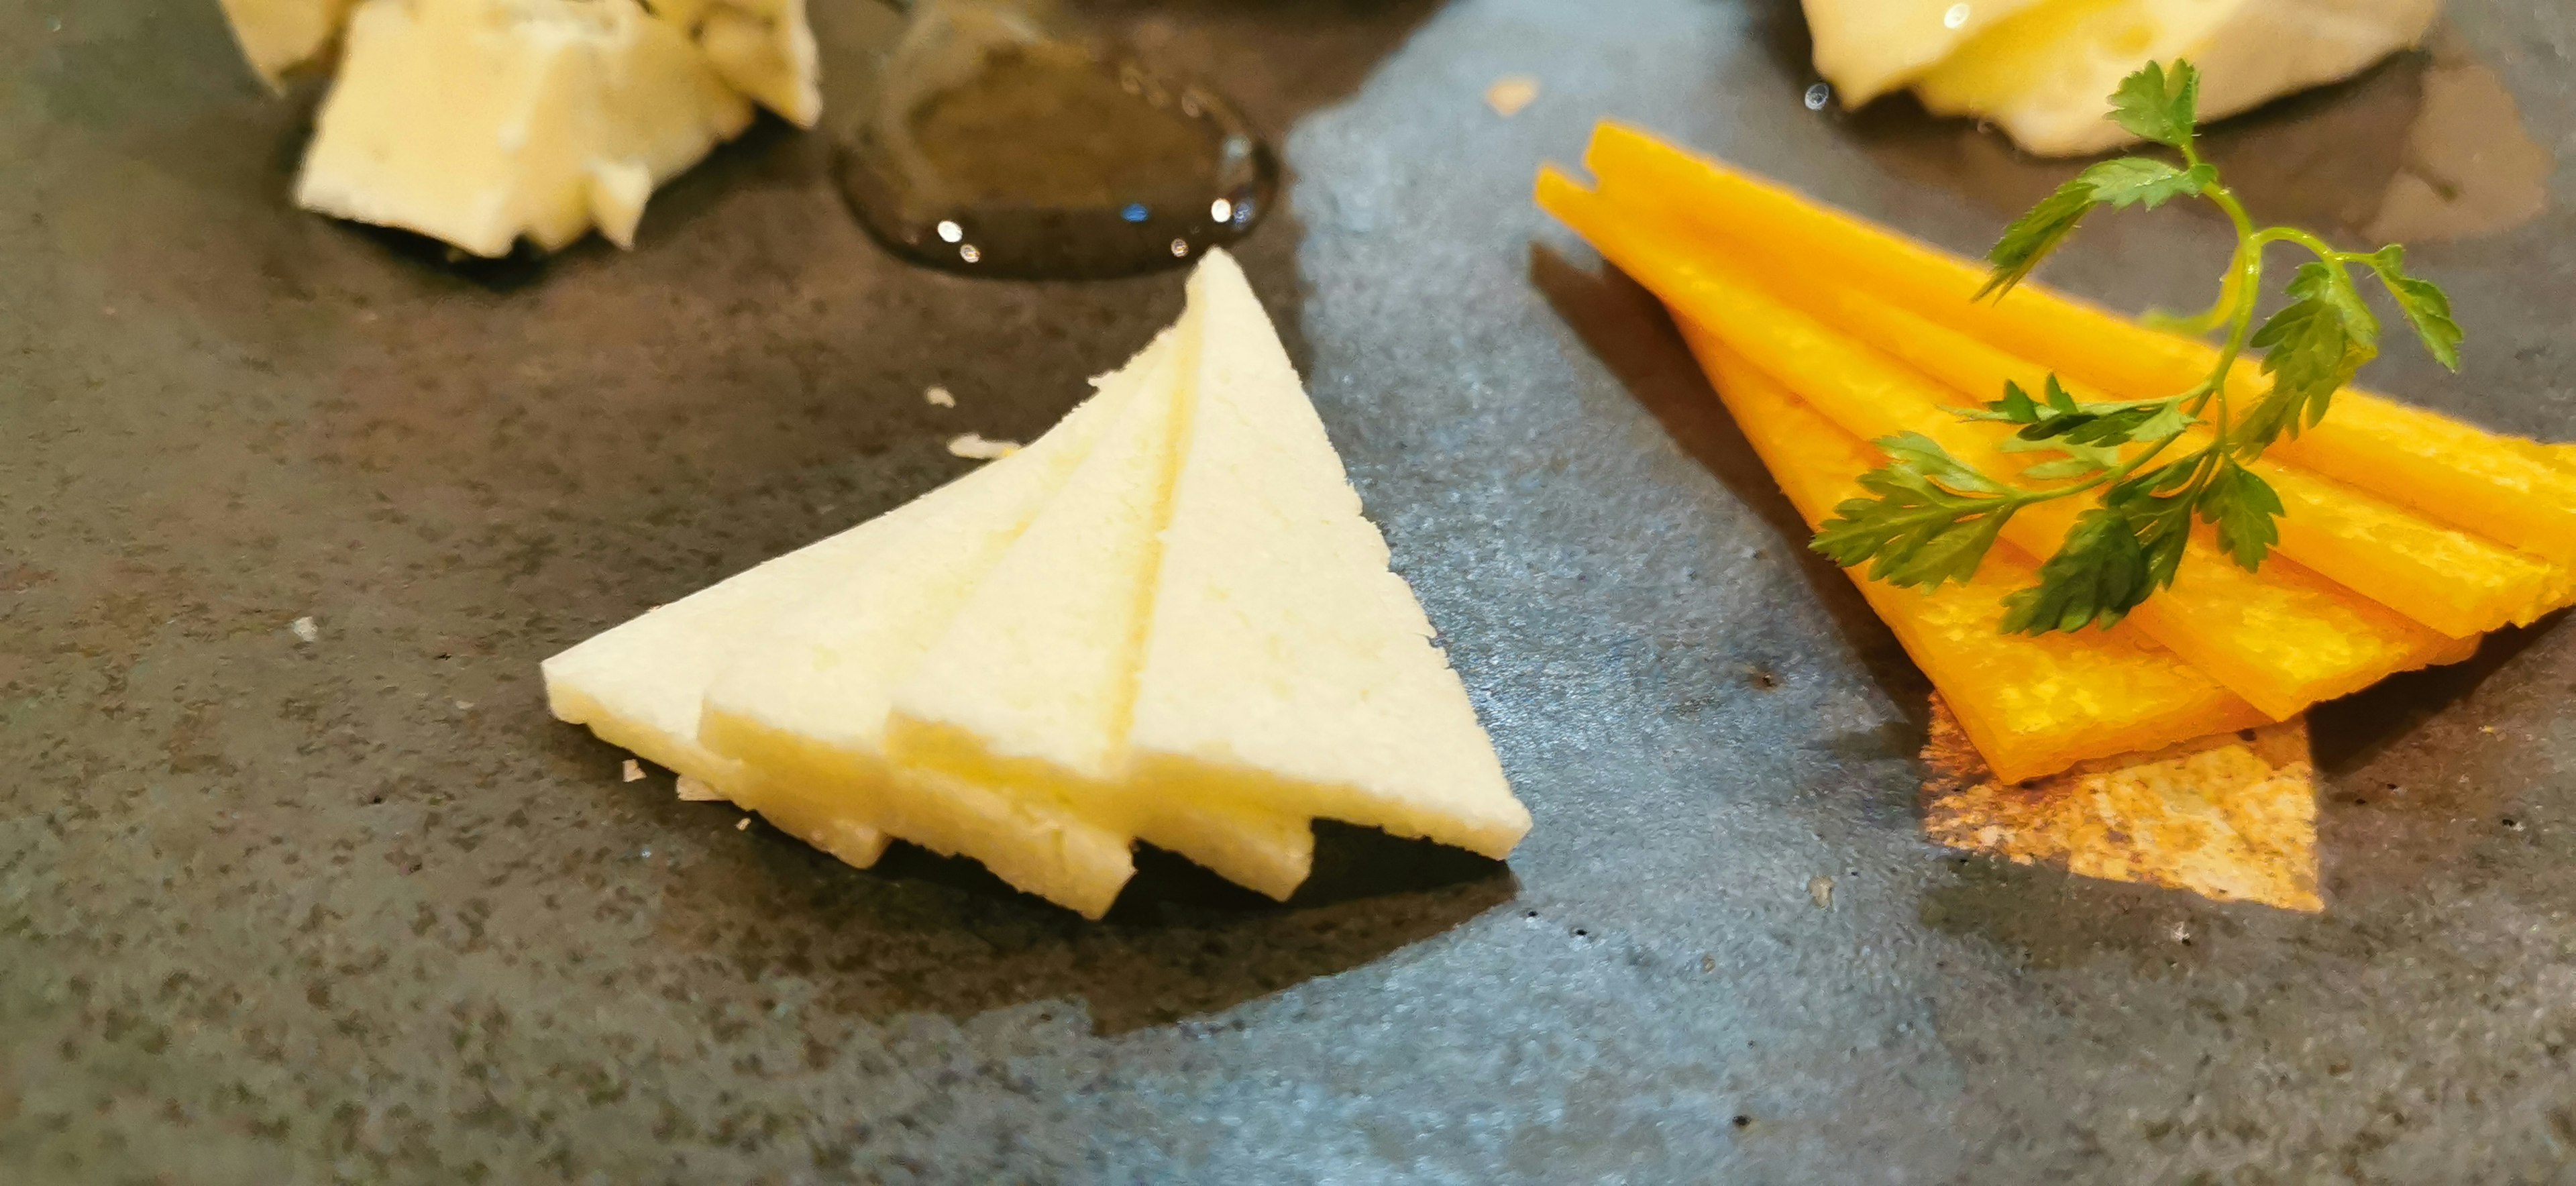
<point>2133,180</point>
<point>2058,397</point>
<point>2154,104</point>
<point>2311,353</point>
<point>2073,465</point>
<point>2244,508</point>
<point>2331,284</point>
<point>2096,577</point>
<point>2029,239</point>
<point>1915,453</point>
<point>2427,307</point>
<point>1909,539</point>
<point>2015,407</point>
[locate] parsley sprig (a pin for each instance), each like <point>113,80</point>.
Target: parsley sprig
<point>1930,517</point>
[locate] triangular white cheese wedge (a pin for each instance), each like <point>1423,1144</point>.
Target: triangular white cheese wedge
<point>805,704</point>
<point>1285,666</point>
<point>1031,686</point>
<point>638,685</point>
<point>479,121</point>
<point>641,685</point>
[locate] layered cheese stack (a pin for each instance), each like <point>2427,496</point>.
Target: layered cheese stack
<point>1166,620</point>
<point>2408,535</point>
<point>481,122</point>
<point>2040,69</point>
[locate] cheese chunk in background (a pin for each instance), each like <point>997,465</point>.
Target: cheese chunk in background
<point>1032,685</point>
<point>278,36</point>
<point>481,121</point>
<point>763,48</point>
<point>2045,74</point>
<point>1285,666</point>
<point>638,685</point>
<point>804,704</point>
<point>1867,48</point>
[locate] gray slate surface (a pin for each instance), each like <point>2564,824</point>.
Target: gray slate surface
<point>356,910</point>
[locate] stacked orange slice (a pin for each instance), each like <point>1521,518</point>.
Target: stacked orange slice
<point>2408,535</point>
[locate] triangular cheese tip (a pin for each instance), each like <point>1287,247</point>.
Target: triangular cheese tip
<point>806,705</point>
<point>1285,665</point>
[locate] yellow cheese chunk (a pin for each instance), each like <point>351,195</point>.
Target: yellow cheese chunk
<point>2282,638</point>
<point>2489,485</point>
<point>763,48</point>
<point>804,703</point>
<point>481,121</point>
<point>1867,48</point>
<point>2045,73</point>
<point>1285,666</point>
<point>2033,705</point>
<point>1031,686</point>
<point>279,36</point>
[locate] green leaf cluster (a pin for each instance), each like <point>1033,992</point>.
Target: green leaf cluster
<point>1930,518</point>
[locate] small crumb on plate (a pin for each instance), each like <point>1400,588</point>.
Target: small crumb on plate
<point>744,826</point>
<point>693,791</point>
<point>1511,93</point>
<point>307,629</point>
<point>974,447</point>
<point>939,397</point>
<point>632,772</point>
<point>1821,891</point>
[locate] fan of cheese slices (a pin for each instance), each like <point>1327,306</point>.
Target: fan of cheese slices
<point>1164,620</point>
<point>480,122</point>
<point>2040,69</point>
<point>2408,535</point>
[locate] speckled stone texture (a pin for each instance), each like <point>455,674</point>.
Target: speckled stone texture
<point>354,909</point>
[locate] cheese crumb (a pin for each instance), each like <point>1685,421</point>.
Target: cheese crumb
<point>1820,890</point>
<point>939,397</point>
<point>744,826</point>
<point>634,771</point>
<point>693,791</point>
<point>307,629</point>
<point>973,446</point>
<point>1511,93</point>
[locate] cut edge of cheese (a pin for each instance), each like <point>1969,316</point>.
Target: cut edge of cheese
<point>478,122</point>
<point>2045,74</point>
<point>1031,685</point>
<point>804,704</point>
<point>1867,48</point>
<point>281,37</point>
<point>1285,665</point>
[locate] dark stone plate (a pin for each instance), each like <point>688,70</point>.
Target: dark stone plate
<point>356,909</point>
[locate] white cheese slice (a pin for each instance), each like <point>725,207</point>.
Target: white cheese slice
<point>1031,686</point>
<point>804,704</point>
<point>2045,75</point>
<point>1285,666</point>
<point>277,36</point>
<point>1867,48</point>
<point>764,48</point>
<point>638,685</point>
<point>479,121</point>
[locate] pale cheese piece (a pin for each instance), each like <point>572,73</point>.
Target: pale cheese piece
<point>479,121</point>
<point>1867,48</point>
<point>764,48</point>
<point>638,685</point>
<point>1030,688</point>
<point>2046,74</point>
<point>278,36</point>
<point>804,705</point>
<point>1285,666</point>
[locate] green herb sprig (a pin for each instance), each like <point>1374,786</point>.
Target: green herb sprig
<point>1931,517</point>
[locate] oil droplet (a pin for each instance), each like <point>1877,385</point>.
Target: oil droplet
<point>1057,158</point>
<point>1819,95</point>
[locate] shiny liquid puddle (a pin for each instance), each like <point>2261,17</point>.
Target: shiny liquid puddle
<point>997,149</point>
